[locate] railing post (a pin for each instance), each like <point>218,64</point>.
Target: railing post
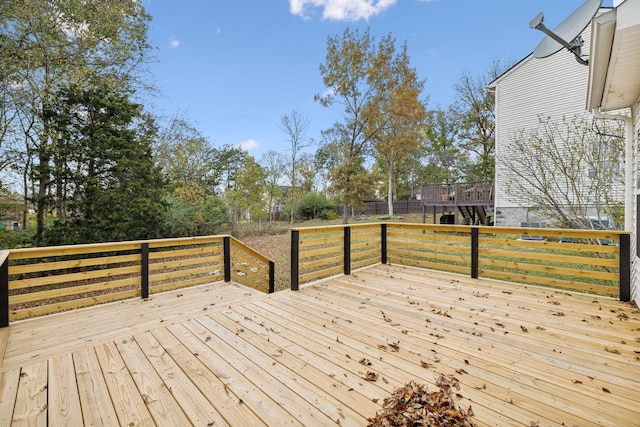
<point>347,250</point>
<point>144,271</point>
<point>226,243</point>
<point>295,249</point>
<point>4,293</point>
<point>474,252</point>
<point>272,277</point>
<point>625,267</point>
<point>383,243</point>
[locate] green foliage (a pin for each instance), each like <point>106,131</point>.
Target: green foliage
<point>214,214</point>
<point>181,218</point>
<point>184,219</point>
<point>346,72</point>
<point>108,185</point>
<point>311,205</point>
<point>14,239</point>
<point>274,165</point>
<point>245,200</point>
<point>226,163</point>
<point>383,113</point>
<point>185,157</point>
<point>446,162</point>
<point>398,115</point>
<point>50,45</point>
<point>328,215</point>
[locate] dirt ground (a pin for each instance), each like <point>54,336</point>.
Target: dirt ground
<point>276,247</point>
<point>274,242</point>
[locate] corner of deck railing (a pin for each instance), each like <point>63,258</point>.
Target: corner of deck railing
<point>144,270</point>
<point>227,257</point>
<point>295,261</point>
<point>475,235</point>
<point>4,289</point>
<point>272,277</point>
<point>383,243</point>
<point>625,267</point>
<point>346,250</point>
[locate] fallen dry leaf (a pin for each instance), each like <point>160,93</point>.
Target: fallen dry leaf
<point>415,405</point>
<point>371,376</point>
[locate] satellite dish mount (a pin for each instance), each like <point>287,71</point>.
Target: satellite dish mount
<point>569,29</point>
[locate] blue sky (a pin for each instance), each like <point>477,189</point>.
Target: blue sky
<point>233,68</point>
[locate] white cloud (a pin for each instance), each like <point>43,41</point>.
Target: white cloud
<point>249,144</point>
<point>341,10</point>
<point>174,43</point>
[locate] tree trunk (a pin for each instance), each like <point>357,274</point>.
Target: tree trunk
<point>390,191</point>
<point>345,213</point>
<point>44,181</point>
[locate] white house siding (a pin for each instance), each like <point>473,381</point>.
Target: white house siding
<point>635,274</point>
<point>553,87</point>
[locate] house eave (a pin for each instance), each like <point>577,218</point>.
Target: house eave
<point>602,31</point>
<point>614,60</point>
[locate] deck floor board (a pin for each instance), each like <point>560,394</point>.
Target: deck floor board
<point>223,354</point>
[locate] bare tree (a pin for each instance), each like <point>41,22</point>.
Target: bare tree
<point>274,165</point>
<point>475,114</point>
<point>571,171</point>
<point>295,126</point>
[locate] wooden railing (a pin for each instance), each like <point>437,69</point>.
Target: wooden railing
<point>578,260</point>
<point>39,281</point>
<point>325,251</point>
<point>459,194</point>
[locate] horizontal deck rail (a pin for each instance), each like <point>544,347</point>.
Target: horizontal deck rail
<point>593,261</point>
<point>39,281</point>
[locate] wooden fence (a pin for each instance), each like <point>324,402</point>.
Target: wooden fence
<point>39,281</point>
<point>578,260</point>
<point>401,207</point>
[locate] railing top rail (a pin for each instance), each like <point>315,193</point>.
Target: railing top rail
<point>312,229</point>
<point>451,184</point>
<point>184,240</point>
<point>105,247</point>
<point>573,232</point>
<point>485,229</point>
<point>250,250</point>
<point>4,254</point>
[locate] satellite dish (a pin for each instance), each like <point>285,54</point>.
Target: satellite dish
<point>569,29</point>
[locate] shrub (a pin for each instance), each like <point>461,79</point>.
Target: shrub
<point>311,205</point>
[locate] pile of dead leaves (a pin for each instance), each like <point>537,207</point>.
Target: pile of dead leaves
<point>414,405</point>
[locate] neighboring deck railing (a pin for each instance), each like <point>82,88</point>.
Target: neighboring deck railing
<point>459,194</point>
<point>578,260</point>
<point>39,281</point>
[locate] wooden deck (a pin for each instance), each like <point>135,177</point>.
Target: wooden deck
<point>223,354</point>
